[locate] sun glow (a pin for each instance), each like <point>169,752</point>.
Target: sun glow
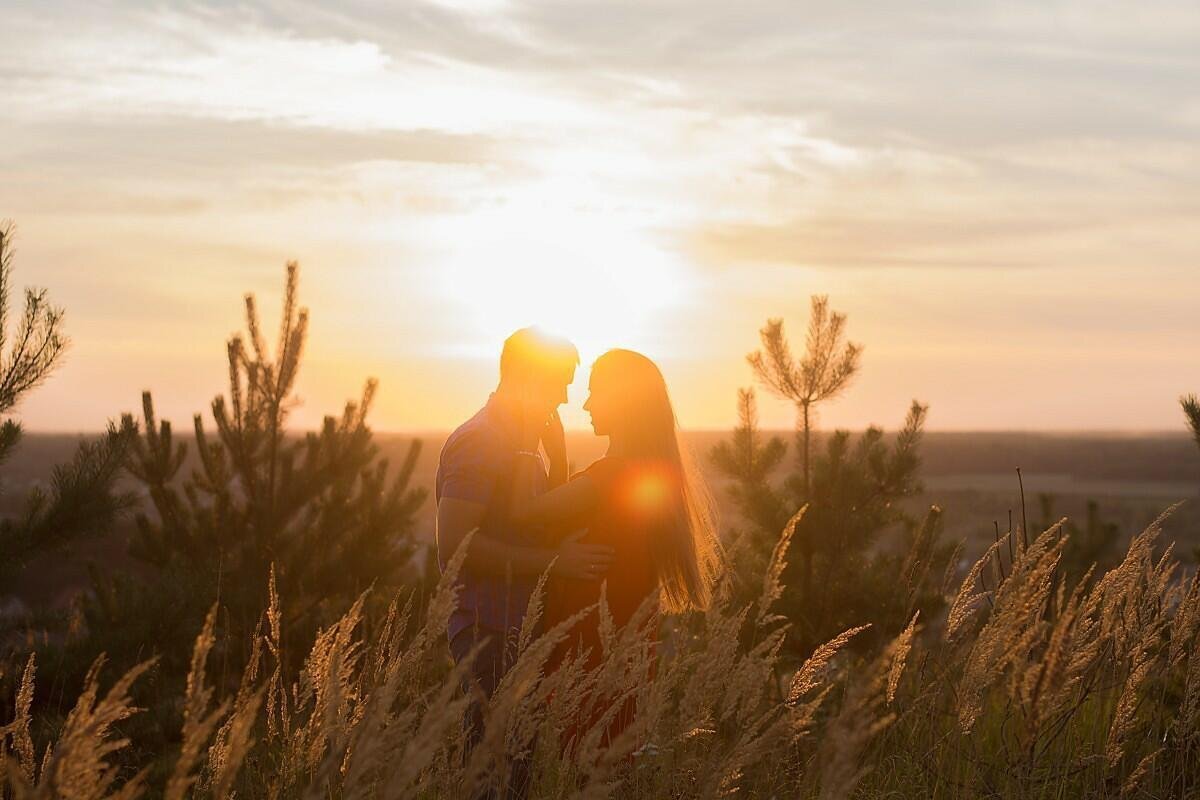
<point>591,278</point>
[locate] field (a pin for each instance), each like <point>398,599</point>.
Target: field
<point>1025,682</point>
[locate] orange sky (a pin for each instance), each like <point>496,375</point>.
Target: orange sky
<point>1003,198</point>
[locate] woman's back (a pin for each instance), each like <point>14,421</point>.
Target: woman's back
<point>624,524</point>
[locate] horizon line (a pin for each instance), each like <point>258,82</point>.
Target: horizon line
<point>1037,431</point>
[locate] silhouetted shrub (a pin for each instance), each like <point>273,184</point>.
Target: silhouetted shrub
<point>855,555</point>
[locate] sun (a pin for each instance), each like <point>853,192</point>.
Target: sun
<point>598,281</point>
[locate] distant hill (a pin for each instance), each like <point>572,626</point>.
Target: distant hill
<point>1166,457</point>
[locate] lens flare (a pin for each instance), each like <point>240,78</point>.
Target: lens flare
<point>648,491</point>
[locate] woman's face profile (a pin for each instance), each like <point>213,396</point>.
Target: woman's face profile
<point>602,404</point>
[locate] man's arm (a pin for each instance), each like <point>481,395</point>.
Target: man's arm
<point>563,501</point>
<point>456,518</point>
<point>555,443</point>
<point>554,507</point>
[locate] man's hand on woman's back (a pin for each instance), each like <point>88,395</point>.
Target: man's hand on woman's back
<point>583,562</point>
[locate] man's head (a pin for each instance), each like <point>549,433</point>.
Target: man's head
<point>537,368</point>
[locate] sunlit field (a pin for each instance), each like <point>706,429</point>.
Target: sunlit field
<point>515,399</point>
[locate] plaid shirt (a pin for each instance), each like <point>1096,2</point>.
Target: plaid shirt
<point>477,464</point>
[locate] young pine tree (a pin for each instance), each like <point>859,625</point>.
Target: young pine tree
<point>82,497</point>
<point>319,512</point>
<point>828,365</point>
<point>875,562</point>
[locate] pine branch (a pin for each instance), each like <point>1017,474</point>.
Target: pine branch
<point>82,499</point>
<point>1191,410</point>
<point>39,344</point>
<point>6,236</point>
<point>10,435</point>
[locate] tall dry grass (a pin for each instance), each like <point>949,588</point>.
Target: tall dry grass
<point>1023,689</point>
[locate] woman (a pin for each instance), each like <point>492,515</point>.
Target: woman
<point>642,499</point>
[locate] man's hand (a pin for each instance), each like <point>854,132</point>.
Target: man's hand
<point>530,431</point>
<point>554,440</point>
<point>582,562</point>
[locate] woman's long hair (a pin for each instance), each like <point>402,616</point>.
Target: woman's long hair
<point>684,543</point>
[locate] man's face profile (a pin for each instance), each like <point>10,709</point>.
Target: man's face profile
<point>537,368</point>
<point>548,390</point>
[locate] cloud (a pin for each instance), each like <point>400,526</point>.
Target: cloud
<point>174,147</point>
<point>760,150</point>
<point>225,67</point>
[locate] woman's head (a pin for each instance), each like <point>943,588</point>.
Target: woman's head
<point>628,402</point>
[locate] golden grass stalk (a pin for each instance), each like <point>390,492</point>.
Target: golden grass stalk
<point>1124,722</point>
<point>1185,624</point>
<point>812,672</point>
<point>967,601</point>
<point>860,719</point>
<point>772,588</point>
<point>901,650</point>
<point>1013,629</point>
<point>232,744</point>
<point>278,716</point>
<point>329,688</point>
<point>18,730</point>
<point>1131,785</point>
<point>198,722</point>
<point>78,766</point>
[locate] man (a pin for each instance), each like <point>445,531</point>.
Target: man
<point>472,491</point>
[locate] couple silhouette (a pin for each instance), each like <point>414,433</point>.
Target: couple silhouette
<point>638,521</point>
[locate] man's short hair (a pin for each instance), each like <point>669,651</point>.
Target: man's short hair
<point>532,352</point>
